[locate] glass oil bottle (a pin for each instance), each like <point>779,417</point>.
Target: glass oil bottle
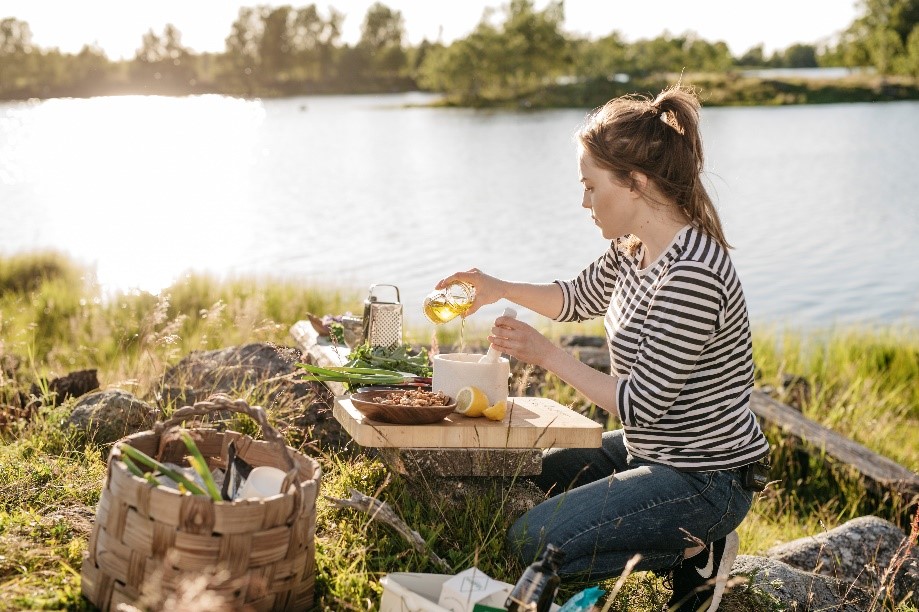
<point>536,589</point>
<point>446,304</point>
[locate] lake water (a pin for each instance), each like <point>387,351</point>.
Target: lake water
<point>820,202</point>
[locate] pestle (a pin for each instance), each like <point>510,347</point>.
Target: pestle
<point>494,354</point>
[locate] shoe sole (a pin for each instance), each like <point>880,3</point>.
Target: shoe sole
<point>731,546</point>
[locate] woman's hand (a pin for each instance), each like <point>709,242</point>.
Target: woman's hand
<point>522,341</point>
<point>546,299</point>
<point>488,289</point>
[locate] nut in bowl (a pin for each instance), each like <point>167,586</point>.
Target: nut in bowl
<point>403,407</point>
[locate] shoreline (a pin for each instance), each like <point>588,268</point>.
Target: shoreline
<point>716,89</point>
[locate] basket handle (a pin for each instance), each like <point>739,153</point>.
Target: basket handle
<point>222,401</point>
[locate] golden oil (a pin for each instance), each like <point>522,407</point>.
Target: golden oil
<point>447,304</point>
<point>442,310</point>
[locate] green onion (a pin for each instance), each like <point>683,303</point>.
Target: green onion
<point>352,376</point>
<point>132,467</point>
<point>197,461</point>
<point>140,457</point>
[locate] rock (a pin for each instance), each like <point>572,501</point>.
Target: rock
<point>74,384</point>
<point>867,551</point>
<point>261,373</point>
<point>774,585</point>
<point>235,371</point>
<point>866,563</point>
<point>108,416</point>
<point>9,365</point>
<point>578,340</point>
<point>592,350</point>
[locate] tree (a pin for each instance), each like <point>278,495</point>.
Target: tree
<point>89,68</point>
<point>661,54</point>
<point>501,61</point>
<point>904,16</point>
<point>314,40</point>
<point>242,49</point>
<point>275,48</point>
<point>536,47</point>
<point>702,55</point>
<point>15,52</point>
<point>382,33</point>
<point>163,59</point>
<point>603,58</point>
<point>879,36</point>
<point>463,69</point>
<point>754,56</point>
<point>911,57</point>
<point>800,56</point>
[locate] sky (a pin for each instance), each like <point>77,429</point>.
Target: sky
<point>118,25</point>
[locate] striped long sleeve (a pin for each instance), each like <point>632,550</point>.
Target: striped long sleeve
<point>680,345</point>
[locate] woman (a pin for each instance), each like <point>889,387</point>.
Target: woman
<point>670,485</point>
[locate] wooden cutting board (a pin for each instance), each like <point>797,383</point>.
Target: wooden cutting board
<point>531,422</point>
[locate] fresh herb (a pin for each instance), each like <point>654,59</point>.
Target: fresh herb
<point>337,332</point>
<point>398,358</point>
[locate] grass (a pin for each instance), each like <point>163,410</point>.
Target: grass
<point>860,382</point>
<point>53,321</point>
<point>718,89</point>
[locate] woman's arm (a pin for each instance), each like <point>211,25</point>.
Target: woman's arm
<point>524,343</point>
<point>545,299</point>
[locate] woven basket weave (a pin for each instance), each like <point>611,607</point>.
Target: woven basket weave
<point>258,554</point>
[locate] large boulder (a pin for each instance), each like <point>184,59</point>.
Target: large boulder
<point>866,563</point>
<point>74,384</point>
<point>868,551</point>
<point>236,371</point>
<point>773,585</point>
<point>108,416</point>
<point>261,373</point>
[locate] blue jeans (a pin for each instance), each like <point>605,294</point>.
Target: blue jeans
<point>606,505</point>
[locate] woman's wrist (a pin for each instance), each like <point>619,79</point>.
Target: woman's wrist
<point>553,359</point>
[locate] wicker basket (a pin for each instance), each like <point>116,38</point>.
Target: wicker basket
<point>258,554</point>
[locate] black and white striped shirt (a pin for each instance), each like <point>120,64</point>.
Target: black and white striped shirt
<point>679,341</point>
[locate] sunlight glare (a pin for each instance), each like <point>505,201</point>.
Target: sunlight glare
<point>147,163</point>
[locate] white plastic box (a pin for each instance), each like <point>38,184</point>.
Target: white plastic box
<point>410,592</point>
<point>413,592</point>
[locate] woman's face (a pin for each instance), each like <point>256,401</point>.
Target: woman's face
<point>612,206</point>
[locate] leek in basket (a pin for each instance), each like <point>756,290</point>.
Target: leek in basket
<point>132,457</point>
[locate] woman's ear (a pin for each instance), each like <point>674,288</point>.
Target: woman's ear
<point>638,182</point>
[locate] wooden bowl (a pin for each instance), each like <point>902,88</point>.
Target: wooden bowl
<point>400,415</point>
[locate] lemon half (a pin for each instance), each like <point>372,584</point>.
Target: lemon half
<point>496,412</point>
<point>471,401</point>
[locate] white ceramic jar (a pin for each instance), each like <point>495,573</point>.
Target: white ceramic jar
<point>453,371</point>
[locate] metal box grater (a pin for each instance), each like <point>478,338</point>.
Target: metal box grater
<point>382,320</point>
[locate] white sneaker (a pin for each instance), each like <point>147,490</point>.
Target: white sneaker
<point>699,582</point>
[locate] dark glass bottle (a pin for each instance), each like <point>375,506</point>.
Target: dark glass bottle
<point>536,589</point>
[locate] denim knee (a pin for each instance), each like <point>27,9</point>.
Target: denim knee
<point>521,542</point>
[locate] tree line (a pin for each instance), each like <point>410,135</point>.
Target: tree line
<point>514,50</point>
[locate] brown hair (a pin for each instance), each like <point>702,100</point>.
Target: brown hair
<point>659,138</point>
